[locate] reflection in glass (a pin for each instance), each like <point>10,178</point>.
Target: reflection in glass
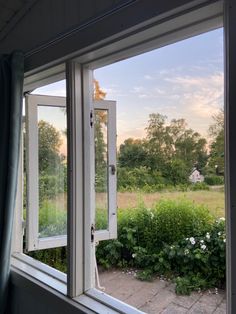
<point>101,168</point>
<point>52,171</point>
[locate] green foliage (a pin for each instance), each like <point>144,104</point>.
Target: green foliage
<point>139,178</point>
<point>52,185</point>
<point>52,220</point>
<point>149,229</point>
<point>132,153</point>
<point>198,186</point>
<point>216,131</point>
<point>50,141</point>
<point>56,257</point>
<point>176,171</point>
<point>214,180</point>
<point>177,239</point>
<point>168,153</point>
<point>100,151</point>
<point>199,262</point>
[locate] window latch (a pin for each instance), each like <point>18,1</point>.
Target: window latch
<point>91,118</point>
<point>113,169</point>
<point>92,232</point>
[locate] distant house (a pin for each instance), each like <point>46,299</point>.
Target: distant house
<point>196,176</point>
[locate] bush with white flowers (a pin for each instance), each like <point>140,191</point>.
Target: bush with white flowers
<point>176,239</point>
<point>196,262</point>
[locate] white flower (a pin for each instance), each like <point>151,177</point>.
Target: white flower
<point>219,233</point>
<point>172,247</point>
<point>134,255</point>
<point>222,219</point>
<point>208,235</point>
<point>187,239</point>
<point>203,246</point>
<point>192,240</point>
<point>224,240</point>
<point>201,241</point>
<point>186,252</point>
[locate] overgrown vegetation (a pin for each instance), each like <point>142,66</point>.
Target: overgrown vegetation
<point>165,157</point>
<point>175,239</point>
<point>178,239</point>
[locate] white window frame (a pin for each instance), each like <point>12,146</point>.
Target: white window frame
<point>34,242</point>
<point>111,231</point>
<point>174,27</point>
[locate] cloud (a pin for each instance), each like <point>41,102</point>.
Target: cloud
<point>143,96</point>
<point>112,92</point>
<point>148,77</point>
<point>137,89</point>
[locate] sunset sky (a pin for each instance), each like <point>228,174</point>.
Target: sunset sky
<point>182,80</point>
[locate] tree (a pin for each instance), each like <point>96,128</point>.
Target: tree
<point>100,124</point>
<point>132,153</point>
<point>176,171</point>
<point>158,141</point>
<point>175,141</point>
<point>98,93</point>
<point>216,131</point>
<point>50,142</point>
<point>191,148</point>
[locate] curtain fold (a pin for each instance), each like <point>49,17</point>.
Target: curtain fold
<point>11,91</point>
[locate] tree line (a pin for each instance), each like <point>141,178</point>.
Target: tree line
<point>166,155</point>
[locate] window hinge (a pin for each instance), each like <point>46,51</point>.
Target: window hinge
<point>92,232</point>
<point>91,118</point>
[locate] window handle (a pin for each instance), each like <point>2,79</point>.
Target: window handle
<point>113,169</point>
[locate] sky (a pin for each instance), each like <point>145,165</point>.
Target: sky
<point>181,80</point>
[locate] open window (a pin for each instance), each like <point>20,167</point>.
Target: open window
<point>105,168</point>
<point>92,173</point>
<point>46,170</point>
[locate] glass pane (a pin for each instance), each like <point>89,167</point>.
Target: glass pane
<point>52,171</point>
<point>170,177</point>
<point>101,168</point>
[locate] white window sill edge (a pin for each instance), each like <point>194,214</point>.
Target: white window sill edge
<point>93,301</point>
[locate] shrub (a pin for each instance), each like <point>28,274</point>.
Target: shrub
<point>177,239</point>
<point>149,230</point>
<point>52,221</point>
<point>199,186</point>
<point>214,180</point>
<point>55,257</point>
<point>51,185</point>
<point>197,262</point>
<point>130,179</point>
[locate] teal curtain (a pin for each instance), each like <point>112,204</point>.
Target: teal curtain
<point>11,91</point>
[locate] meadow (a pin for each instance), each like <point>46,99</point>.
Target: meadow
<point>212,199</point>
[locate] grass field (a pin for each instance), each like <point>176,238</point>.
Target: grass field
<point>213,199</point>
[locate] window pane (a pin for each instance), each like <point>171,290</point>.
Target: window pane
<point>170,177</point>
<point>101,168</point>
<point>47,233</point>
<point>52,171</point>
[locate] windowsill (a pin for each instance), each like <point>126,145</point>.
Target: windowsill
<point>54,281</point>
<point>42,272</point>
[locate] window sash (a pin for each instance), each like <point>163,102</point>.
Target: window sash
<point>34,242</point>
<point>111,231</point>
